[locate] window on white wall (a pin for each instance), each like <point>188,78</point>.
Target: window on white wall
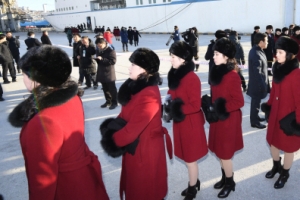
<point>137,2</point>
<point>150,1</point>
<point>141,1</point>
<point>154,1</point>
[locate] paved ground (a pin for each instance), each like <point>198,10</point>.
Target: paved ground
<point>250,164</point>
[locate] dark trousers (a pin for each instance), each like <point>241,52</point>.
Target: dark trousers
<point>89,78</point>
<point>125,45</point>
<point>1,90</point>
<point>11,68</point>
<point>110,92</point>
<point>17,58</point>
<point>136,43</point>
<point>130,41</point>
<point>243,82</point>
<point>254,109</point>
<point>81,76</point>
<point>270,63</point>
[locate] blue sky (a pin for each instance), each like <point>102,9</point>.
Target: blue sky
<point>37,4</point>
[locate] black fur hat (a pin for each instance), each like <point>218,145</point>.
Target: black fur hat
<point>277,29</point>
<point>226,47</point>
<point>269,27</point>
<point>219,34</point>
<point>256,27</point>
<point>146,59</point>
<point>296,28</point>
<point>284,29</point>
<point>182,50</point>
<point>287,44</point>
<point>47,65</point>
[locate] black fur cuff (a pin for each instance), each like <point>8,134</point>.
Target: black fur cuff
<point>107,140</point>
<point>176,110</point>
<point>220,108</point>
<point>289,125</point>
<point>266,109</point>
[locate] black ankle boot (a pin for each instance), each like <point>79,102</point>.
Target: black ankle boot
<point>197,67</point>
<point>228,186</point>
<point>192,191</point>
<point>184,192</point>
<point>221,183</point>
<point>277,167</point>
<point>284,176</point>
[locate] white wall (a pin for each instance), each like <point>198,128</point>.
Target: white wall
<point>297,12</point>
<point>241,15</point>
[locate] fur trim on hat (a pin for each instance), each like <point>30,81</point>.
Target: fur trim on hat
<point>146,59</point>
<point>226,47</point>
<point>256,27</point>
<point>289,125</point>
<point>287,44</point>
<point>176,110</point>
<point>131,87</point>
<point>43,97</point>
<point>296,28</point>
<point>47,65</point>
<point>182,50</point>
<point>175,75</point>
<point>220,34</point>
<point>107,141</point>
<point>269,27</point>
<point>280,71</point>
<point>218,72</point>
<point>266,109</point>
<point>285,29</point>
<point>277,29</point>
<point>220,108</point>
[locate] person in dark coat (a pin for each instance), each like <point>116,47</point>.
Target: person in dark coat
<point>76,44</point>
<point>285,31</point>
<point>256,30</point>
<point>130,35</point>
<point>45,38</point>
<point>258,78</point>
<point>239,56</point>
<point>296,37</point>
<point>190,142</point>
<point>225,135</point>
<point>270,50</point>
<point>6,60</point>
<point>291,30</point>
<point>191,37</point>
<point>106,75</point>
<point>137,133</point>
<point>31,41</point>
<point>209,55</point>
<point>176,34</point>
<point>277,34</point>
<point>14,45</point>
<point>124,39</point>
<point>58,162</point>
<point>88,65</point>
<point>69,36</point>
<point>136,36</point>
<point>283,110</point>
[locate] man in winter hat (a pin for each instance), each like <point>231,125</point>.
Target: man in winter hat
<point>296,37</point>
<point>270,50</point>
<point>256,30</point>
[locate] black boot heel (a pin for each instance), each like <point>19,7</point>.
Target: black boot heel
<point>228,187</point>
<point>197,186</point>
<point>277,167</point>
<point>284,176</point>
<point>221,183</point>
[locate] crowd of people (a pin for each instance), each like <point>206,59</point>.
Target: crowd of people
<point>137,134</point>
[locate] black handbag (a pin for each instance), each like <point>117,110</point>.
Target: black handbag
<point>208,109</point>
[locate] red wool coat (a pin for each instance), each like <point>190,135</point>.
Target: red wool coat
<point>190,142</point>
<point>225,136</point>
<point>59,164</point>
<point>108,36</point>
<point>284,99</point>
<point>144,174</point>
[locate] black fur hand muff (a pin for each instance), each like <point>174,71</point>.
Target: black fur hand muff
<point>289,125</point>
<point>266,109</point>
<point>176,110</point>
<point>220,108</point>
<point>208,109</point>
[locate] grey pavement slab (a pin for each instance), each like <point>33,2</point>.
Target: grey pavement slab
<point>250,164</point>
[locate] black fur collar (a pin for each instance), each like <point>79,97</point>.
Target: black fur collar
<point>175,75</point>
<point>218,71</point>
<point>42,97</point>
<point>280,71</point>
<point>131,87</point>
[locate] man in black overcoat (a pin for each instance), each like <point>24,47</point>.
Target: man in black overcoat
<point>31,41</point>
<point>130,35</point>
<point>258,78</point>
<point>270,50</point>
<point>256,30</point>
<point>45,38</point>
<point>14,45</point>
<point>76,44</point>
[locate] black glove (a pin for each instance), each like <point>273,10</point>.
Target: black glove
<point>130,148</point>
<point>208,109</point>
<point>266,109</point>
<point>167,111</point>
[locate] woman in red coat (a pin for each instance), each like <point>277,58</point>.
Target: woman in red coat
<point>185,109</point>
<point>296,37</point>
<point>137,132</point>
<point>58,162</point>
<point>225,135</point>
<point>284,100</point>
